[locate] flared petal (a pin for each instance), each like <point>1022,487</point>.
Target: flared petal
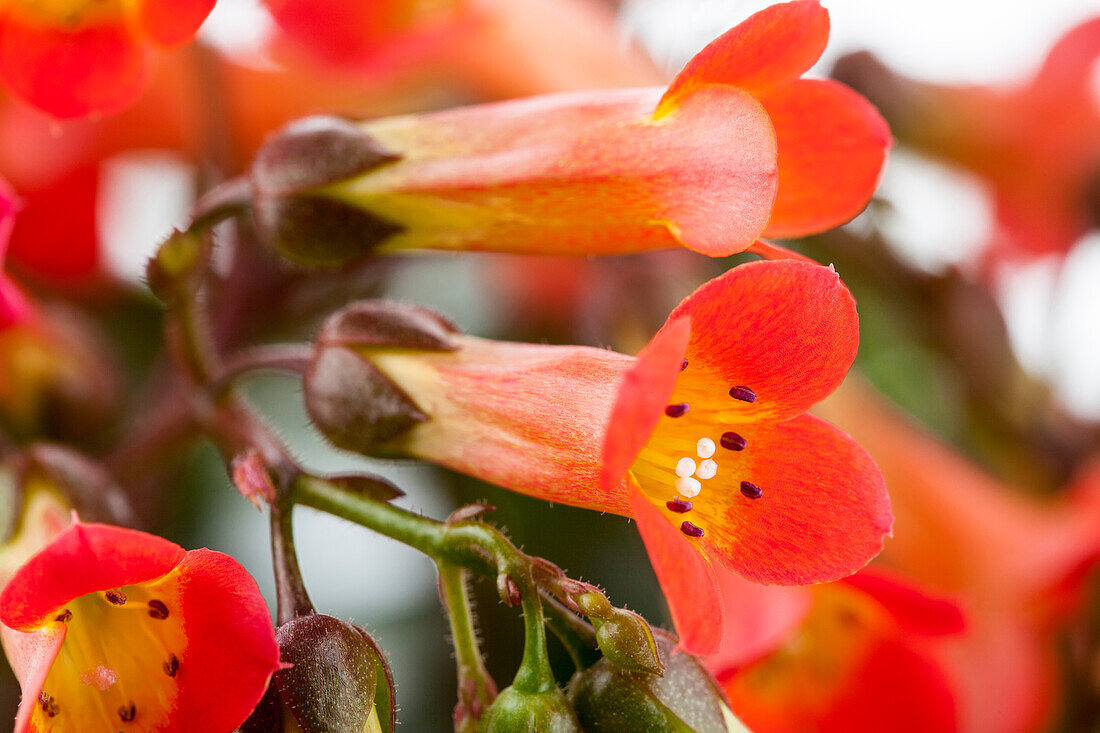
<point>686,577</point>
<point>786,330</point>
<point>229,638</point>
<point>1069,64</point>
<point>641,400</point>
<point>172,22</point>
<point>31,656</point>
<point>769,49</point>
<point>83,559</point>
<point>103,66</point>
<point>821,512</point>
<point>915,610</point>
<point>832,145</point>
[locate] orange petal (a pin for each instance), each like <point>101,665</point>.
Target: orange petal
<point>769,49</point>
<point>641,399</point>
<point>915,610</point>
<point>788,330</point>
<point>761,618</point>
<point>832,145</point>
<point>686,577</point>
<point>822,515</point>
<point>172,22</point>
<point>103,66</point>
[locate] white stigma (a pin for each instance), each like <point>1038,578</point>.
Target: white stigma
<point>705,447</point>
<point>687,486</point>
<point>685,467</point>
<point>707,469</point>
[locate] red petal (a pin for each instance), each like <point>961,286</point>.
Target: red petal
<point>83,559</point>
<point>832,144</point>
<point>786,329</point>
<point>824,511</point>
<point>1069,65</point>
<point>641,400</point>
<point>899,687</point>
<point>172,22</point>
<point>769,49</point>
<point>103,66</point>
<point>60,247</point>
<point>915,610</point>
<point>230,643</point>
<point>686,577</point>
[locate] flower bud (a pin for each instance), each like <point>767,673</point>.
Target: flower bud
<point>546,712</point>
<point>627,641</point>
<point>610,699</point>
<point>289,177</point>
<point>338,682</point>
<point>353,401</point>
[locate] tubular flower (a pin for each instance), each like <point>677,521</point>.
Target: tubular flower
<point>99,49</point>
<point>1024,569</point>
<point>1035,145</point>
<point>701,438</point>
<point>722,156</point>
<point>858,655</point>
<point>109,628</point>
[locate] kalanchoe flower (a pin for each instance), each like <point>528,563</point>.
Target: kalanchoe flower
<point>701,438</point>
<point>99,49</point>
<point>738,146</point>
<point>859,655</point>
<point>1035,145</point>
<point>1015,563</point>
<point>108,626</point>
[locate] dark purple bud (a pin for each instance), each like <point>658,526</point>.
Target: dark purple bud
<point>677,410</point>
<point>733,441</point>
<point>684,365</point>
<point>678,505</point>
<point>742,393</point>
<point>127,713</point>
<point>64,616</point>
<point>751,490</point>
<point>691,530</point>
<point>48,704</point>
<point>115,596</point>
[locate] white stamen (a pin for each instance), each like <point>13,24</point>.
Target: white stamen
<point>687,486</point>
<point>685,467</point>
<point>707,469</point>
<point>705,447</point>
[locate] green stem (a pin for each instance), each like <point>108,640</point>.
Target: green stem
<point>476,689</point>
<point>576,635</point>
<point>534,674</point>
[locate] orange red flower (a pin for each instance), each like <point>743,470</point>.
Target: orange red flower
<point>724,155</point>
<point>1015,564</point>
<point>701,438</point>
<point>855,656</point>
<point>109,626</point>
<point>73,58</point>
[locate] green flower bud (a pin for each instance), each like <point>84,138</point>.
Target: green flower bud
<point>685,699</point>
<point>626,640</point>
<point>524,712</point>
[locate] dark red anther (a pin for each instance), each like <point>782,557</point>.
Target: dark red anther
<point>680,408</point>
<point>127,713</point>
<point>691,530</point>
<point>742,393</point>
<point>115,596</point>
<point>64,616</point>
<point>48,704</point>
<point>678,505</point>
<point>733,441</point>
<point>684,365</point>
<point>172,665</point>
<point>751,490</point>
<point>157,609</point>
